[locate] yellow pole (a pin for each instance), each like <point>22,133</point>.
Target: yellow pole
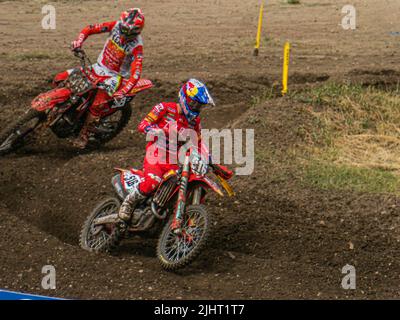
<point>260,19</point>
<point>286,59</point>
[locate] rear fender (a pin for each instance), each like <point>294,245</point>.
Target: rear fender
<point>48,100</point>
<point>118,183</point>
<point>129,179</point>
<point>118,186</point>
<point>143,84</point>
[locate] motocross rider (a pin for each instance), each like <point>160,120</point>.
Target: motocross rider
<point>193,97</point>
<point>121,61</point>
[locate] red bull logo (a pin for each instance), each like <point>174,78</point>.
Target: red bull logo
<point>191,90</point>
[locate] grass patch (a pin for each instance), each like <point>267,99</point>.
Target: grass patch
<point>267,94</point>
<point>34,56</point>
<point>357,138</point>
<point>353,109</point>
<point>343,177</point>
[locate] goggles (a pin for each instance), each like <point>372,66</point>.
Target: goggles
<point>130,30</point>
<point>196,106</point>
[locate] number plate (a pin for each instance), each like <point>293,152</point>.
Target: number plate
<point>131,181</point>
<point>78,82</point>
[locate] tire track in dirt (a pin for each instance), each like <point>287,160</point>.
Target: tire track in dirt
<point>49,189</point>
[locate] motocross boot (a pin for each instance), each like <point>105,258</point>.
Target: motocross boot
<point>88,127</point>
<point>127,208</point>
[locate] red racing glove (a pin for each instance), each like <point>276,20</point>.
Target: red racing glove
<point>77,44</point>
<point>119,94</point>
<point>124,91</point>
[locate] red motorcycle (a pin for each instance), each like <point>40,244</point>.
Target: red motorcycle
<point>180,196</point>
<point>64,110</point>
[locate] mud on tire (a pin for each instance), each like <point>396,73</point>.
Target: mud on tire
<point>110,237</point>
<point>200,216</point>
<point>7,134</point>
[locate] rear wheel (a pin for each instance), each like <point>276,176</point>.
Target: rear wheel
<point>101,238</point>
<point>175,251</point>
<point>17,134</point>
<point>109,127</point>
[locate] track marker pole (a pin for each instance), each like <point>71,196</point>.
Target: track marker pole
<point>285,74</point>
<point>260,20</point>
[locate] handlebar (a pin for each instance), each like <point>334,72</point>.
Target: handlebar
<point>81,54</point>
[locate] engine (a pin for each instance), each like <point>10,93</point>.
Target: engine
<point>142,219</point>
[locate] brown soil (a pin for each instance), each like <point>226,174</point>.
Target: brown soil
<point>277,239</point>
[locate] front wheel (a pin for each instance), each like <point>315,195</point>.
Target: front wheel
<point>16,135</point>
<point>105,237</point>
<point>175,251</point>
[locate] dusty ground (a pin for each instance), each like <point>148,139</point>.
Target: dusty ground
<point>277,240</point>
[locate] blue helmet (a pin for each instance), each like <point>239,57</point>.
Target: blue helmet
<point>194,96</point>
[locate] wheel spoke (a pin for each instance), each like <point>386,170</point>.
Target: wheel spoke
<point>96,241</point>
<point>177,248</point>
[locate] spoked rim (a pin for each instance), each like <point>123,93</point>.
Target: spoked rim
<point>108,125</point>
<point>177,247</point>
<point>98,236</point>
<point>17,135</point>
<point>8,143</point>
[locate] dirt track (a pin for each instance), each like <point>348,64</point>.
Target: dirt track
<point>278,239</point>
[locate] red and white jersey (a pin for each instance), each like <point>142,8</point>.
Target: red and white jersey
<point>117,55</point>
<point>166,115</point>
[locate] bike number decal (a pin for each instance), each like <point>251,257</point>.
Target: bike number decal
<point>131,181</point>
<point>119,103</point>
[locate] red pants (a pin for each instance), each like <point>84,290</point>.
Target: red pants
<point>100,106</point>
<point>153,174</point>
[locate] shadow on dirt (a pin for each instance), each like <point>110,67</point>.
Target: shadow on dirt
<point>385,79</point>
<point>61,152</point>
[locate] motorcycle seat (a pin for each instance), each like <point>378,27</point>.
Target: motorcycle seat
<point>136,171</point>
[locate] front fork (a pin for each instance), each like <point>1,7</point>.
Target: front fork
<point>182,195</point>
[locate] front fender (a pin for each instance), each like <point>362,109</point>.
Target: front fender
<point>208,184</point>
<point>61,77</point>
<point>49,99</point>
